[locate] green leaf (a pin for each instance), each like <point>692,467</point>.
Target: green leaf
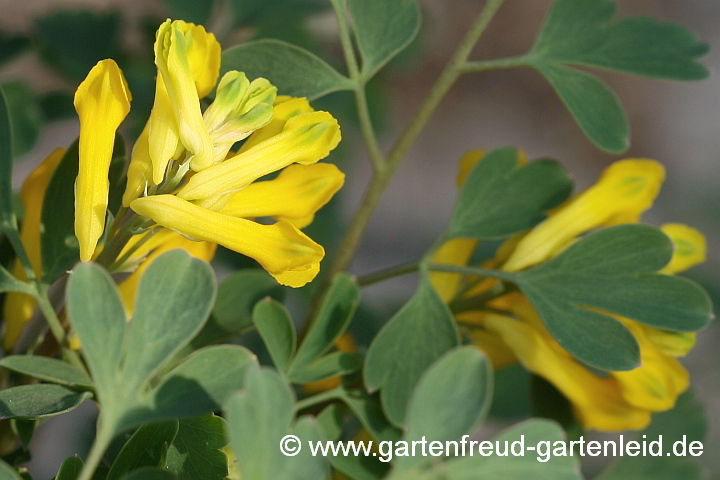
<point>383,28</point>
<point>582,33</point>
<point>501,197</point>
<point>97,316</point>
<point>360,467</point>
<point>196,451</point>
<point>174,298</point>
<point>149,473</point>
<point>70,469</point>
<point>27,118</point>
<point>273,323</point>
<point>195,12</point>
<point>38,401</point>
<point>593,105</point>
<point>417,335</point>
<point>478,467</point>
<point>23,429</point>
<point>332,365</point>
<point>232,314</point>
<point>8,473</point>
<point>48,370</point>
<point>199,385</point>
<point>687,419</point>
<point>293,70</point>
<point>145,448</point>
<point>59,246</point>
<point>73,41</point>
<point>612,270</point>
<point>331,421</point>
<point>451,399</point>
<point>7,215</point>
<point>334,316</point>
<point>259,417</point>
<point>370,414</point>
<point>8,283</point>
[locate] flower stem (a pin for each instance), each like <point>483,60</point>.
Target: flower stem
<point>381,177</point>
<point>470,270</point>
<point>388,273</point>
<point>56,328</point>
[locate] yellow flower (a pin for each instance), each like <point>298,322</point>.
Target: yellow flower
<point>188,62</point>
<point>625,190</point>
<point>284,251</point>
<point>217,201</point>
<point>19,307</point>
<point>102,102</point>
<point>617,400</point>
<point>295,195</point>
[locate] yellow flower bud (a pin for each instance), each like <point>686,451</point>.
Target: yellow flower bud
<point>102,102</point>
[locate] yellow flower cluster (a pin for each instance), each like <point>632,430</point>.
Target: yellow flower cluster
<point>611,401</point>
<point>183,175</point>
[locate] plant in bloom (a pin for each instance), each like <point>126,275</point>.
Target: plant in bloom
<point>183,175</point>
<point>511,331</point>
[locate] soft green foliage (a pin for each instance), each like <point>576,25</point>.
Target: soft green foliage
<point>612,270</point>
<point>582,33</point>
<point>527,192</point>
<point>37,401</point>
<point>70,469</point>
<point>293,70</point>
<point>195,451</point>
<point>687,419</point>
<point>421,332</point>
<point>259,417</point>
<point>232,313</point>
<point>172,386</point>
<point>451,399</point>
<point>48,370</point>
<point>275,326</point>
<point>146,448</point>
<point>383,28</point>
<point>333,318</point>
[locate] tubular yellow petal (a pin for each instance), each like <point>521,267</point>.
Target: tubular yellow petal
<point>203,55</point>
<point>284,109</point>
<point>172,47</point>
<point>18,307</point>
<point>297,193</point>
<point>162,242</point>
<point>163,136</point>
<point>102,102</point>
<point>284,251</point>
<point>674,344</point>
<point>240,108</point>
<point>139,174</point>
<point>625,190</point>
<point>305,139</point>
<point>690,247</point>
<point>597,401</point>
<point>454,252</point>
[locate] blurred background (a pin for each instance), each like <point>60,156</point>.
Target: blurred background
<point>48,46</point>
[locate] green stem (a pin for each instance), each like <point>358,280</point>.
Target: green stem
<point>388,273</point>
<point>56,328</point>
<point>116,243</point>
<point>470,270</point>
<point>321,397</point>
<point>101,443</point>
<point>497,64</point>
<point>117,222</point>
<point>381,178</point>
<point>126,256</point>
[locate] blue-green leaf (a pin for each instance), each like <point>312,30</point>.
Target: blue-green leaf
<point>273,322</point>
<point>38,401</point>
<point>196,450</point>
<point>48,370</point>
<point>293,70</point>
<point>146,448</point>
